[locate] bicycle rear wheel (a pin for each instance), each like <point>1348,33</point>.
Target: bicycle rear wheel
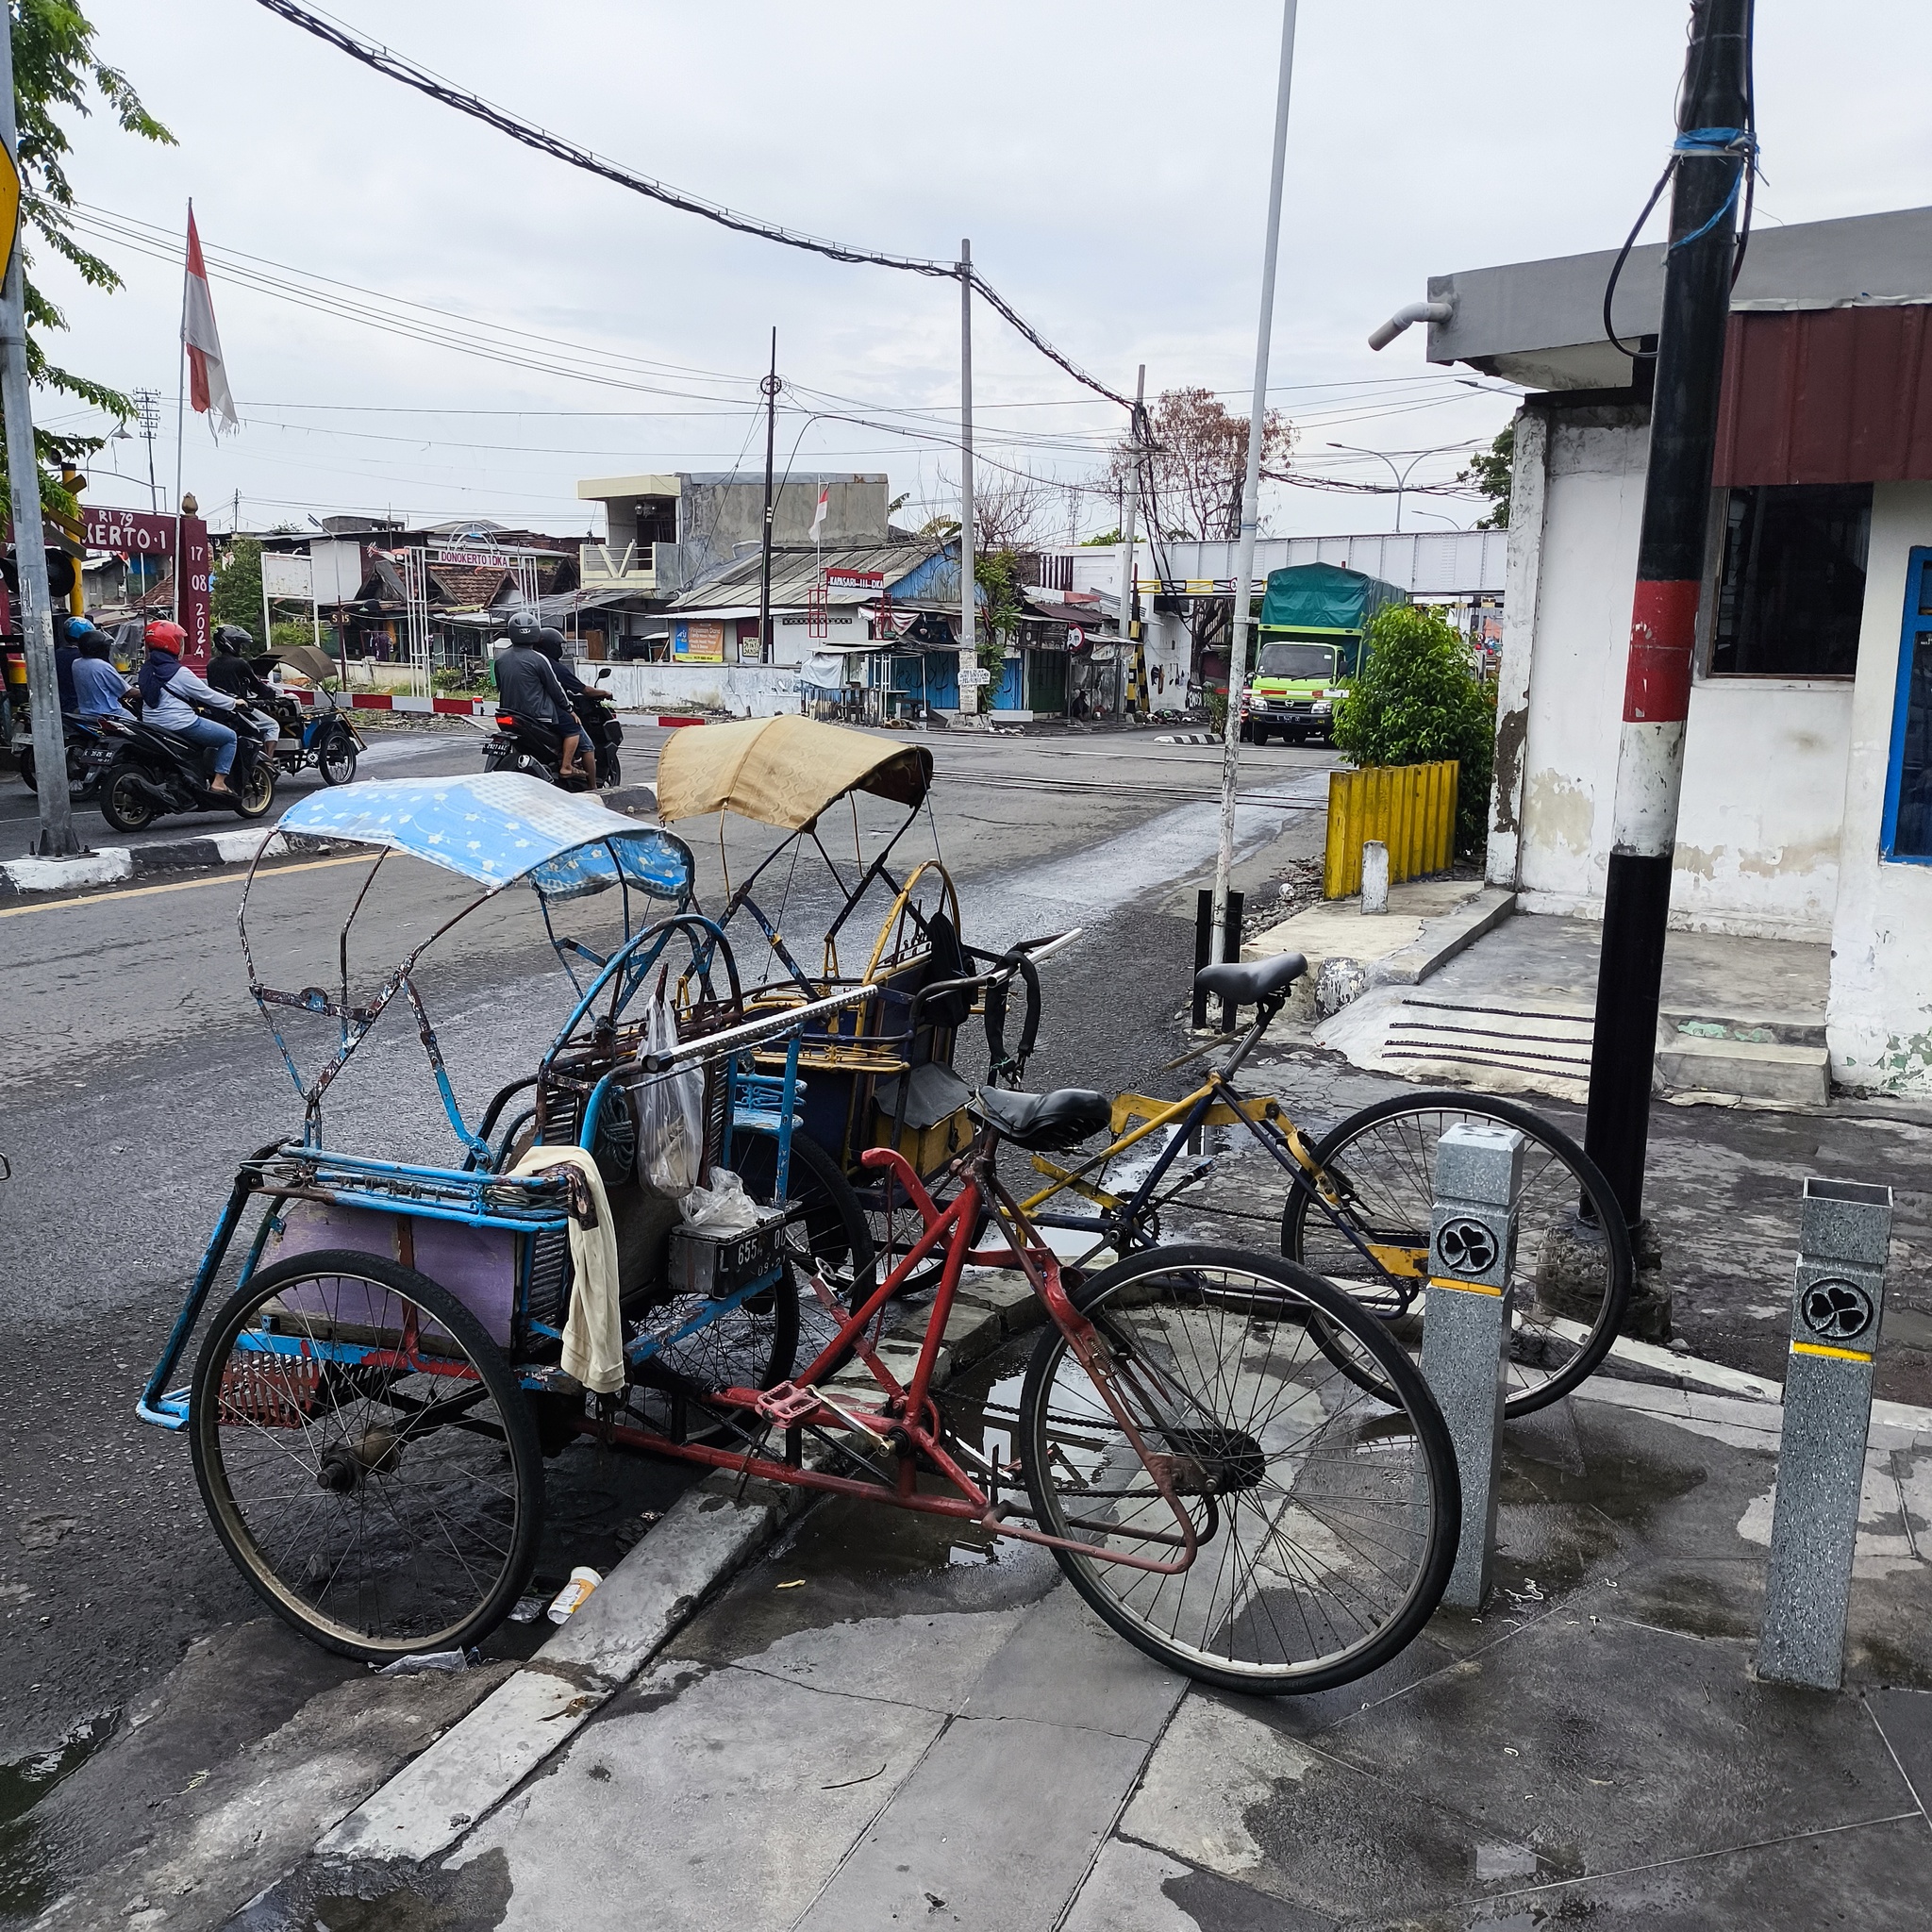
<point>1326,1516</point>
<point>1575,1268</point>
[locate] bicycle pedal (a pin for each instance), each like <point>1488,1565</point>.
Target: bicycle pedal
<point>787,1403</point>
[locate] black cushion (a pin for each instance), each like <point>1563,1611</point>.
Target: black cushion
<point>1249,984</point>
<point>1044,1123</point>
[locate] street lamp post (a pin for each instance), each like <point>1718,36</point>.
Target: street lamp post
<point>1404,472</point>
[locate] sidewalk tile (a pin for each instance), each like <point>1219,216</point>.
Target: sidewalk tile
<point>993,1833</point>
<point>1063,1666</point>
<point>700,1800</point>
<point>1904,1720</point>
<point>1135,1889</point>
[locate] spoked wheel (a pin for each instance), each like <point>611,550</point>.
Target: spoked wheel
<point>1325,1517</point>
<point>705,1345</point>
<point>337,762</point>
<point>834,1237</point>
<point>1574,1269</point>
<point>367,1456</point>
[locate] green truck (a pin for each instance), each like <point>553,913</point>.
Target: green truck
<point>1312,619</point>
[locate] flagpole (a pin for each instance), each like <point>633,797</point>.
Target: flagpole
<point>181,410</point>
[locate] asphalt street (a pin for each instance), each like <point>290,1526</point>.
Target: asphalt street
<point>449,745</point>
<point>142,1072</point>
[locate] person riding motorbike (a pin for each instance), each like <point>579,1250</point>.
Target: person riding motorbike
<point>528,688</point>
<point>66,655</point>
<point>586,704</point>
<point>230,671</point>
<point>97,686</point>
<point>167,686</point>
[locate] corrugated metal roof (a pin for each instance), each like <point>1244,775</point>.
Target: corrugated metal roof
<point>796,571</point>
<point>1828,395</point>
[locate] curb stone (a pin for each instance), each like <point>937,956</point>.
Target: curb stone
<point>113,865</point>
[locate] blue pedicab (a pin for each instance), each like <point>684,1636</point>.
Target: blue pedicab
<point>371,1405</point>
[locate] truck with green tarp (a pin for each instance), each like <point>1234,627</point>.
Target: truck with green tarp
<point>1313,616</point>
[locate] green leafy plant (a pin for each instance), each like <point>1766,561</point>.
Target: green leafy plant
<point>237,598</point>
<point>1417,699</point>
<point>55,65</point>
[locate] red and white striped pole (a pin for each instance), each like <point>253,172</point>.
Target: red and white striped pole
<point>1712,152</point>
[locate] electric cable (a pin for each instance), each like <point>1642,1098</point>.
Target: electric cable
<point>397,67</point>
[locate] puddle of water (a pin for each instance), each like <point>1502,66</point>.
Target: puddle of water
<point>26,1855</point>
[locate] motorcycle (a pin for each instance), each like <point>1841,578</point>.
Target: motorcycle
<point>148,772</point>
<point>534,749</point>
<point>84,743</point>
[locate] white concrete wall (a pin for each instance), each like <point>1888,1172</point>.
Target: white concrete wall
<point>1764,771</point>
<point>1879,1017</point>
<point>745,690</point>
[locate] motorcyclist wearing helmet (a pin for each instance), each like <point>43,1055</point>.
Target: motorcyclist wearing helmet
<point>167,686</point>
<point>66,655</point>
<point>230,670</point>
<point>529,689</point>
<point>552,642</point>
<point>97,686</point>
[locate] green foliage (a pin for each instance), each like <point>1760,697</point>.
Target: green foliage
<point>238,584</point>
<point>293,631</point>
<point>55,64</point>
<point>1104,538</point>
<point>1490,472</point>
<point>1417,699</point>
<point>1217,713</point>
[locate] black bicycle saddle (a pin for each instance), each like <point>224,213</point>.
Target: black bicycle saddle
<point>1044,1123</point>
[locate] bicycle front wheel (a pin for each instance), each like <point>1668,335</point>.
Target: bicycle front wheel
<point>1574,1263</point>
<point>1325,1516</point>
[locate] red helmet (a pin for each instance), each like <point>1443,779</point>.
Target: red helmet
<point>165,636</point>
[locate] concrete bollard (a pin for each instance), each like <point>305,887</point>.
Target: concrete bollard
<point>1843,1239</point>
<point>1466,1327</point>
<point>1374,875</point>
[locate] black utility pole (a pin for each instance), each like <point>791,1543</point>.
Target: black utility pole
<point>769,384</point>
<point>1712,152</point>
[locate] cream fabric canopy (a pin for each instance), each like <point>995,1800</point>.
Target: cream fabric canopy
<point>782,772</point>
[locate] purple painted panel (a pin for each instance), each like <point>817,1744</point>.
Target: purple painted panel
<point>476,1264</point>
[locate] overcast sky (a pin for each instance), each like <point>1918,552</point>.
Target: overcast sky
<point>1109,164</point>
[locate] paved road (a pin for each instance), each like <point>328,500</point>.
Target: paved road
<point>140,1072</point>
<point>392,754</point>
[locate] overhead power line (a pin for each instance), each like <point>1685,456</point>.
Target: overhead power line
<point>397,67</point>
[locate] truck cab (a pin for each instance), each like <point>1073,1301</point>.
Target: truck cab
<point>1293,690</point>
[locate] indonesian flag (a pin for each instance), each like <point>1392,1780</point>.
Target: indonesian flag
<point>818,516</point>
<point>208,381</point>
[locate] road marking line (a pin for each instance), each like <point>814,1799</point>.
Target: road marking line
<point>222,878</point>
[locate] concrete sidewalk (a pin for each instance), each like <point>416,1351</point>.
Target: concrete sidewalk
<point>877,1725</point>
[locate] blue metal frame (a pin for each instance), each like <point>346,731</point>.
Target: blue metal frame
<point>1915,629</point>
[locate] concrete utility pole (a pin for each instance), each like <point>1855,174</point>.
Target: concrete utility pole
<point>1251,491</point>
<point>969,646</point>
<point>769,384</point>
<point>1127,571</point>
<point>57,837</point>
<point>1711,156</point>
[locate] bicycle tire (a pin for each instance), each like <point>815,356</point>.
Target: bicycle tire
<point>393,1576</point>
<point>1547,1360</point>
<point>1397,1499</point>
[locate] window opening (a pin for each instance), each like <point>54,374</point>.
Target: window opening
<point>1790,589</point>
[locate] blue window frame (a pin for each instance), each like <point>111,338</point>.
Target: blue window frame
<point>1906,833</point>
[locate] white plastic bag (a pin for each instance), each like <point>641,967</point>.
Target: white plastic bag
<point>723,1208</point>
<point>670,1111</point>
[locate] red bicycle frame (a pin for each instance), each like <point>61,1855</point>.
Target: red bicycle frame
<point>905,1417</point>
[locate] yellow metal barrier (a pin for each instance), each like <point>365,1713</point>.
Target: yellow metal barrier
<point>1411,808</point>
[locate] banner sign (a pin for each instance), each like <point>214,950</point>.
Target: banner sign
<point>141,533</point>
<point>475,559</point>
<point>698,642</point>
<point>287,573</point>
<point>854,579</point>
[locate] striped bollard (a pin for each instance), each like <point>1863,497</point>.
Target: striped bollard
<point>1466,1327</point>
<point>1844,1235</point>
